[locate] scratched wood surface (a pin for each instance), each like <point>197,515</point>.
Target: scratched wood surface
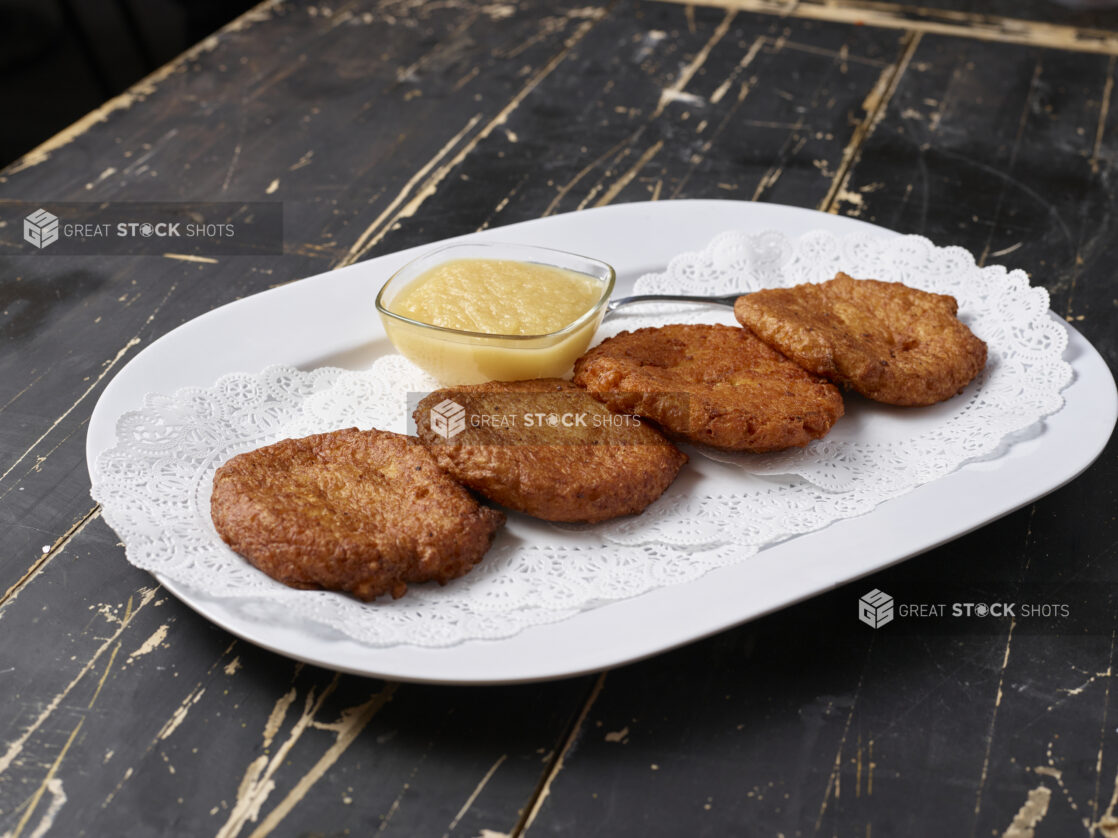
<point>385,125</point>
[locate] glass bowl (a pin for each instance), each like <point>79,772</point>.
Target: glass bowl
<point>454,356</point>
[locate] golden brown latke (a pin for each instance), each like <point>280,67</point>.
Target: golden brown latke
<point>560,469</point>
<point>713,384</point>
<point>360,511</point>
<point>891,343</point>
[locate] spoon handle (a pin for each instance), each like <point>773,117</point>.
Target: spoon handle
<point>724,300</point>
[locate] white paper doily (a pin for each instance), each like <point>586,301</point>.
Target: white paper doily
<point>154,485</point>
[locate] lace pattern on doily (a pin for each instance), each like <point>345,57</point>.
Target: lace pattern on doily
<point>154,485</point>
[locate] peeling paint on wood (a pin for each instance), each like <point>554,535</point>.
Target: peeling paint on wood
<point>959,24</point>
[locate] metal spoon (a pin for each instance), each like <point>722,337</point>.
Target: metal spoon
<point>613,305</point>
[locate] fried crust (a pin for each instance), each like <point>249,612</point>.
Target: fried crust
<point>891,343</point>
<point>607,466</point>
<point>713,384</point>
<point>366,512</point>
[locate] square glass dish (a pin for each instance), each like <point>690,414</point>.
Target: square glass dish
<point>457,356</point>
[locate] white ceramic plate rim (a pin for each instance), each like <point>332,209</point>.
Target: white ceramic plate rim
<point>270,328</point>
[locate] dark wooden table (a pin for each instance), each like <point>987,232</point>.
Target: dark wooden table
<point>382,125</point>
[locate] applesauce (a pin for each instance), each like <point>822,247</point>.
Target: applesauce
<point>498,297</point>
<point>482,312</point>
